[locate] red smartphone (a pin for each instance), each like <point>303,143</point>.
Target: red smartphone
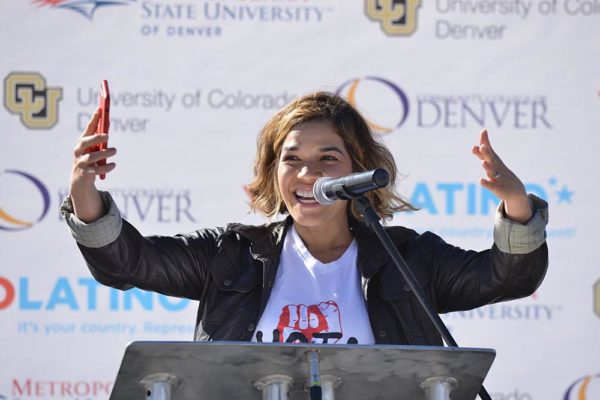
<point>104,121</point>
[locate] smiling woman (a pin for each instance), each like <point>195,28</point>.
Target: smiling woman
<point>311,151</point>
<point>318,276</point>
<point>326,114</point>
<point>318,135</point>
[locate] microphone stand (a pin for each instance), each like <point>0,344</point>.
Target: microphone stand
<point>371,220</point>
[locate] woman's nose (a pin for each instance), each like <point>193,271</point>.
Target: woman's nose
<point>310,170</point>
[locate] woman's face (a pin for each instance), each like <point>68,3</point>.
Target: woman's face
<point>311,151</point>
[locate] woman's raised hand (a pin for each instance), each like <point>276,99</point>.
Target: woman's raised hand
<point>86,200</point>
<point>502,181</point>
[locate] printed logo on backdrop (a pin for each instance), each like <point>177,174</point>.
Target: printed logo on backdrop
<point>25,200</point>
<point>63,295</point>
<point>449,198</point>
<point>202,19</point>
<point>390,109</point>
<point>467,20</point>
<point>56,388</point>
<point>442,110</point>
<point>584,388</point>
<point>396,17</point>
<point>530,310</point>
<point>144,104</point>
<point>209,19</point>
<point>395,109</point>
<point>27,95</point>
<point>452,200</point>
<point>85,8</point>
<point>150,205</point>
<point>79,294</point>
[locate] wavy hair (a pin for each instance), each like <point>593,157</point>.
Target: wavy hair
<point>366,153</point>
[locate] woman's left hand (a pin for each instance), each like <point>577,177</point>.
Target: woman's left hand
<point>502,181</point>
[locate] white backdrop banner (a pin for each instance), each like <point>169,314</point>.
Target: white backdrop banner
<point>193,82</point>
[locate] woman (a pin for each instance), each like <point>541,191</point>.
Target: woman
<point>318,276</point>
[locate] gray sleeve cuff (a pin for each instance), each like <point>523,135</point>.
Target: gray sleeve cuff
<point>515,238</point>
<point>99,233</point>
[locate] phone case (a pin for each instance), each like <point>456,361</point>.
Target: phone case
<point>104,121</point>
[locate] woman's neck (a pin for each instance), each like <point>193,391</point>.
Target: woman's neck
<point>327,243</point>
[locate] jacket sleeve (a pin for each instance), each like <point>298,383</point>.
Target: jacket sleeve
<point>514,267</point>
<point>174,266</point>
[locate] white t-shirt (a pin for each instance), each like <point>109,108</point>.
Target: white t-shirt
<point>312,302</point>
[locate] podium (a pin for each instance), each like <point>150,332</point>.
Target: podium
<point>274,371</point>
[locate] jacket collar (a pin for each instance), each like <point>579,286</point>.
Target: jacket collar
<point>266,242</point>
<point>371,253</point>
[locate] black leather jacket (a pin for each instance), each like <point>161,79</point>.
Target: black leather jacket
<point>231,272</point>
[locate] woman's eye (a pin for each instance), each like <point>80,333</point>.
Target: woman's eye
<point>290,157</point>
<point>328,158</point>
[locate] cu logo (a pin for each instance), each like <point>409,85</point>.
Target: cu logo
<point>380,97</point>
<point>397,17</point>
<point>24,190</point>
<point>586,388</point>
<point>26,94</point>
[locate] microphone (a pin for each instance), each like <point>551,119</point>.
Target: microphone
<point>327,190</point>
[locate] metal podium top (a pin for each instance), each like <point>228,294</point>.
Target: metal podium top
<point>229,370</point>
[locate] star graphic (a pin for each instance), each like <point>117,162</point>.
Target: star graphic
<point>564,195</point>
<point>86,8</point>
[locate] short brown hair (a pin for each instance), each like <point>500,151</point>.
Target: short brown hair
<point>365,151</point>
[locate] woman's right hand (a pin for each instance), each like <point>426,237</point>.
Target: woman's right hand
<point>87,203</point>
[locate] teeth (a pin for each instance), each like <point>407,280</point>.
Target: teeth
<point>303,193</point>
<point>305,196</point>
<point>304,200</point>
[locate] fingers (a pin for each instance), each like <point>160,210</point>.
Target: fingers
<point>475,150</point>
<point>92,125</point>
<point>484,139</point>
<point>96,156</point>
<point>100,169</point>
<point>88,144</point>
<point>491,170</point>
<point>482,149</point>
<point>487,184</point>
<point>94,163</point>
<point>499,179</point>
<point>90,157</point>
<point>89,138</point>
<point>483,152</point>
<point>492,164</point>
